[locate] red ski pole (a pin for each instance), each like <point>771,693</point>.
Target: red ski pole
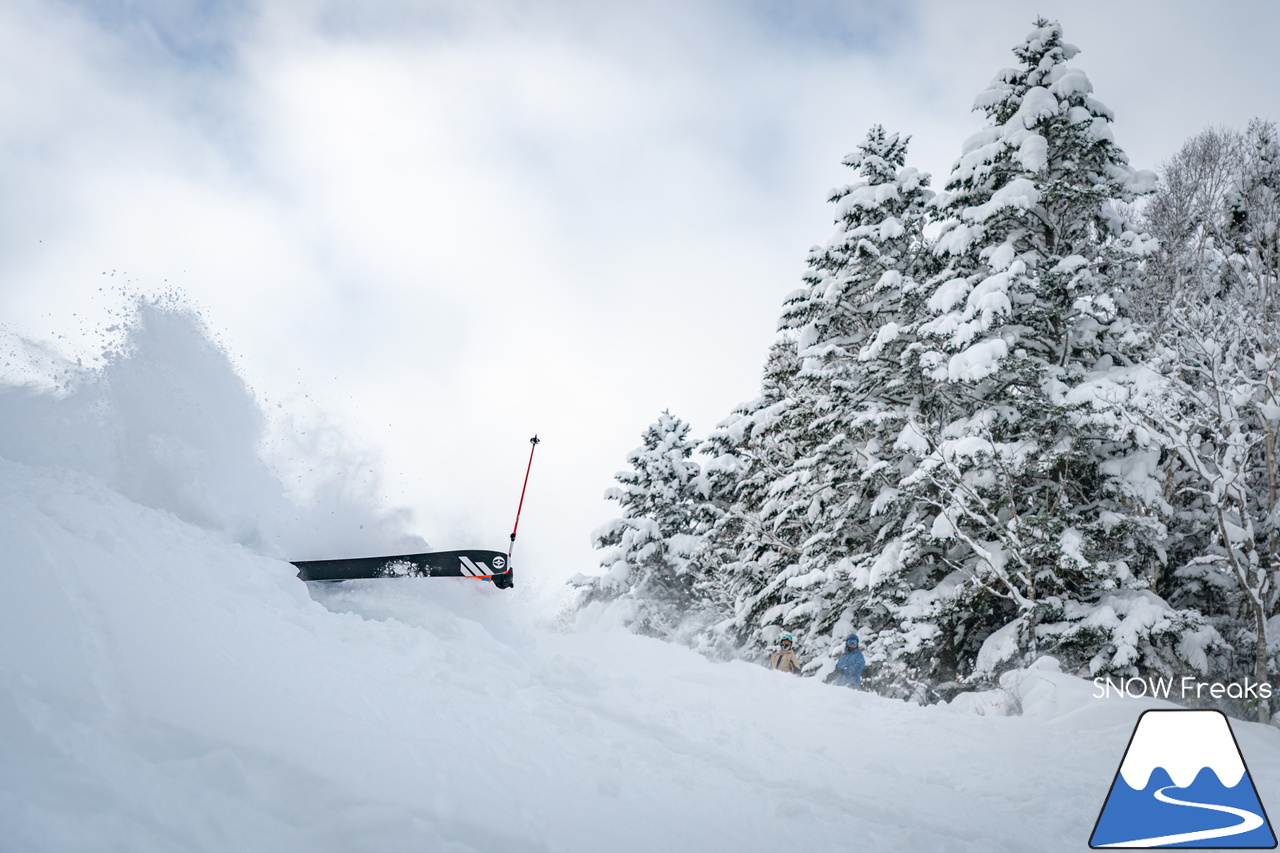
<point>533,441</point>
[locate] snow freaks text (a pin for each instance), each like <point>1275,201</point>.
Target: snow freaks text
<point>1186,688</point>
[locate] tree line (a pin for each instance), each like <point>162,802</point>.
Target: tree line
<point>1035,411</point>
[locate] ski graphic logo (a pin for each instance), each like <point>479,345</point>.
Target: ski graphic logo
<point>1183,783</point>
<point>470,569</point>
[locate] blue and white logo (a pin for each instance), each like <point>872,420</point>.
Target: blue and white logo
<point>1183,783</point>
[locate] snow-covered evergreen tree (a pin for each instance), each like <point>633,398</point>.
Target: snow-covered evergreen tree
<point>647,550</point>
<point>818,444</point>
<point>852,322</point>
<point>961,451</point>
<point>750,452</point>
<point>1032,521</point>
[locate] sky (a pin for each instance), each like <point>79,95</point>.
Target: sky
<point>438,228</point>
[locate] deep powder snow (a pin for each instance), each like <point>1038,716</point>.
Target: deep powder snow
<point>167,684</point>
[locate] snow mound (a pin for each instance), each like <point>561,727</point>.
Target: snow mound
<point>1040,690</point>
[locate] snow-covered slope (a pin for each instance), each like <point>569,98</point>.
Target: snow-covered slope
<point>163,688</point>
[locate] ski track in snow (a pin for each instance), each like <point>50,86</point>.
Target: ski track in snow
<point>163,689</point>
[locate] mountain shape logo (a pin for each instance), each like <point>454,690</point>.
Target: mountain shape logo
<point>1183,783</point>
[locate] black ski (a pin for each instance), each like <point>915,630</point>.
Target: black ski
<point>485,565</point>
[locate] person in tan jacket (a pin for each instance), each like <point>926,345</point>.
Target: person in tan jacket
<point>784,658</point>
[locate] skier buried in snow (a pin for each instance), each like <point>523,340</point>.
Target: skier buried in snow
<point>784,658</point>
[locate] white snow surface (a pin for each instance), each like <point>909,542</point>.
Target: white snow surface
<point>166,690</point>
<point>164,687</point>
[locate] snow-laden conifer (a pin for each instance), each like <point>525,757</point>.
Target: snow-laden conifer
<point>819,442</point>
<point>646,551</point>
<point>955,453</point>
<point>748,542</point>
<point>1032,519</point>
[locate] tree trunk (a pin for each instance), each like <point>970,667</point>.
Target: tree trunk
<point>1261,670</point>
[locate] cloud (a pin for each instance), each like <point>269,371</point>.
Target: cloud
<point>454,224</point>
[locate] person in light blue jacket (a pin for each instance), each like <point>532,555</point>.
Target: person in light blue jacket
<point>849,668</point>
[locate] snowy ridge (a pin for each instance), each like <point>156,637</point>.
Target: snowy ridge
<point>1183,743</point>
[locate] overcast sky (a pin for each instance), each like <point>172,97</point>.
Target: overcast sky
<point>447,226</point>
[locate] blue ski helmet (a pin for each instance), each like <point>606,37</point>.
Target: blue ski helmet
<point>851,640</point>
<point>786,638</point>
